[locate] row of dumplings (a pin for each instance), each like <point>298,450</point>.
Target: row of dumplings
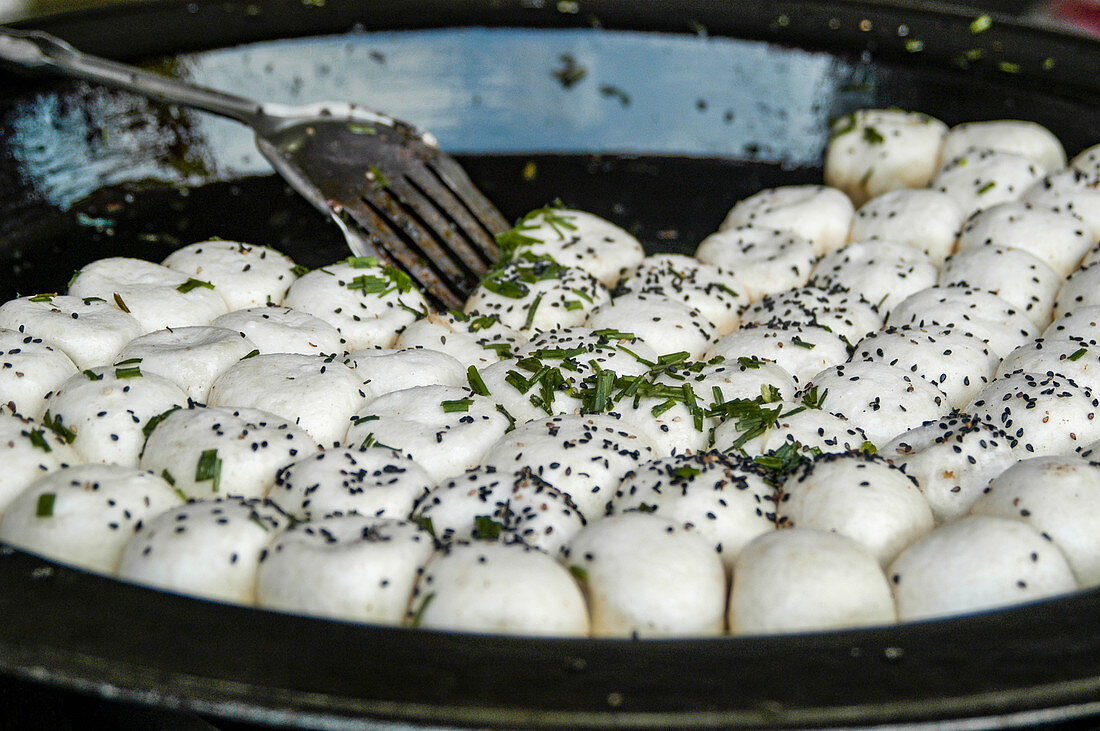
<point>941,329</point>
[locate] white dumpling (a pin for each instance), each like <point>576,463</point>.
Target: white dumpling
<point>90,330</point>
<point>373,482</point>
<point>318,394</point>
<point>975,564</point>
<point>872,151</point>
<point>860,496</point>
<point>644,576</point>
<point>368,303</point>
<point>30,369</point>
<point>350,567</point>
<point>205,548</point>
<point>499,588</point>
<point>86,515</point>
<point>1060,498</point>
<point>190,357</point>
<point>952,460</point>
<point>283,330</point>
<point>245,275</point>
<point>158,297</point>
<point>806,580</point>
<point>216,451</point>
<point>818,213</point>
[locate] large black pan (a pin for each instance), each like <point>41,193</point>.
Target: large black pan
<point>659,131</point>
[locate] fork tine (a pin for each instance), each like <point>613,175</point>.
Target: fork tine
<point>458,181</point>
<point>444,287</point>
<point>425,198</point>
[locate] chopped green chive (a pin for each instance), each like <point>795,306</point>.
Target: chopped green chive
<point>191,284</point>
<point>129,372</point>
<point>44,507</point>
<point>477,383</point>
<point>53,423</point>
<point>120,304</point>
<point>361,262</point>
<point>456,405</point>
<point>38,440</point>
<point>209,468</point>
<point>1077,354</point>
<point>299,270</point>
<point>485,528</point>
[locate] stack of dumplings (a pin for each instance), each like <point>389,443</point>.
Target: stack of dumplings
<point>863,402</point>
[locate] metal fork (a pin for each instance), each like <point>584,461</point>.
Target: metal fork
<point>388,186</point>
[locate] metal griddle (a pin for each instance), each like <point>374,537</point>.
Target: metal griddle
<point>150,180</point>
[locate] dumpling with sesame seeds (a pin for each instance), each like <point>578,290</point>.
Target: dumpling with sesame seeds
<point>485,504</point>
<point>318,394</point>
<point>980,179</point>
<point>766,260</point>
<point>761,429</point>
<point>529,388</point>
<point>85,515</point>
<point>881,272</point>
<point>537,294</point>
<point>1087,161</point>
<point>350,567</point>
<point>1069,191</point>
<point>720,380</point>
<point>843,312</point>
<point>283,330</point>
<point>190,357</point>
<point>858,495</point>
<point>208,452</point>
<point>954,361</point>
<point>590,350</point>
<point>583,456</point>
<point>980,313</point>
<point>367,302</point>
<point>881,399</point>
<point>575,239</point>
<point>923,218</point>
<point>498,588</point>
<point>665,325</point>
<point>373,482</point>
<point>471,339</point>
<point>1071,358</point>
<point>1081,289</point>
<point>30,370</point>
<point>206,548</point>
<point>158,297</point>
<point>646,576</point>
<point>1080,323</point>
<point>818,213</point>
<point>445,429</point>
<point>386,371</point>
<point>1056,238</point>
<point>90,331</point>
<point>807,580</point>
<point>801,350</point>
<point>30,451</point>
<point>1046,413</point>
<point>1060,498</point>
<point>723,498</point>
<point>952,460</point>
<point>106,410</point>
<point>717,294</point>
<point>1016,276</point>
<point>245,275</point>
<point>872,151</point>
<point>1020,137</point>
<point>976,564</point>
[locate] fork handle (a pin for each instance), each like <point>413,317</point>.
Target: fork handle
<point>37,50</point>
